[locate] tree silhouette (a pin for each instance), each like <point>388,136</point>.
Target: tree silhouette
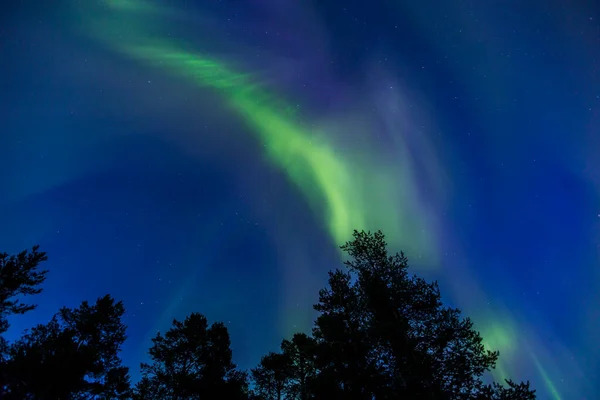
<point>300,351</point>
<point>74,356</point>
<point>19,276</point>
<point>346,355</point>
<point>144,389</point>
<point>382,333</point>
<point>272,376</point>
<point>513,391</point>
<point>192,361</point>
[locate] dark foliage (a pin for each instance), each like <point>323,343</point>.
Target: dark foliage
<point>192,360</point>
<point>19,276</point>
<point>384,333</point>
<point>74,356</point>
<point>513,391</point>
<point>381,333</point>
<point>273,376</point>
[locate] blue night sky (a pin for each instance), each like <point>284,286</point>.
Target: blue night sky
<point>211,155</point>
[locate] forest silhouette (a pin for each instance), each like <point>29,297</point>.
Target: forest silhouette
<point>381,333</point>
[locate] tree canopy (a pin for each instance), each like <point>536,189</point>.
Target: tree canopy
<point>380,333</point>
<point>190,361</point>
<point>74,356</point>
<point>19,276</point>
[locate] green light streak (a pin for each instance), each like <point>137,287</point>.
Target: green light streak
<point>546,377</point>
<point>502,338</point>
<point>351,194</point>
<point>311,166</point>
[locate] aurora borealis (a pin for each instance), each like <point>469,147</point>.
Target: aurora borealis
<point>209,156</point>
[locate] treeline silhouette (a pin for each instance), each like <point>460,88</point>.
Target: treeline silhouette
<point>381,333</point>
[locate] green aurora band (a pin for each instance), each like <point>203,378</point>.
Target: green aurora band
<point>352,194</point>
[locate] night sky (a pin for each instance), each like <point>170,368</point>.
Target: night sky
<point>211,155</point>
